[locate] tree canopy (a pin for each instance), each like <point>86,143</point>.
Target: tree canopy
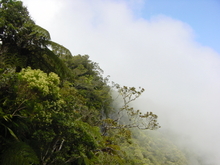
<point>26,44</point>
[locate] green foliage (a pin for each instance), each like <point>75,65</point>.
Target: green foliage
<point>27,44</point>
<point>39,81</point>
<point>55,131</point>
<point>19,153</point>
<point>88,81</point>
<point>152,148</point>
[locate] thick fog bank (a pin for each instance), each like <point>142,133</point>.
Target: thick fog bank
<point>193,129</point>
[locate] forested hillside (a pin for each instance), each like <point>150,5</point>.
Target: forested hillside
<point>56,108</point>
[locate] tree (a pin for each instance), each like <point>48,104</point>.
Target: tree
<point>19,153</point>
<point>87,79</point>
<point>127,116</point>
<point>26,44</point>
<point>36,117</point>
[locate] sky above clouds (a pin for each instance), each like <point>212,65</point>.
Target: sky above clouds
<point>201,15</point>
<point>170,48</point>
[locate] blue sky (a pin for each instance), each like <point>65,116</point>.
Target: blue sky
<point>202,15</point>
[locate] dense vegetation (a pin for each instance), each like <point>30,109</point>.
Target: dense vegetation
<point>56,108</point>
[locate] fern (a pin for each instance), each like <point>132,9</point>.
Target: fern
<point>40,31</point>
<point>19,153</point>
<point>58,49</point>
<point>54,63</point>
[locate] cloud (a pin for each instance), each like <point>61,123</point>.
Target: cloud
<point>181,77</point>
<point>43,12</point>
